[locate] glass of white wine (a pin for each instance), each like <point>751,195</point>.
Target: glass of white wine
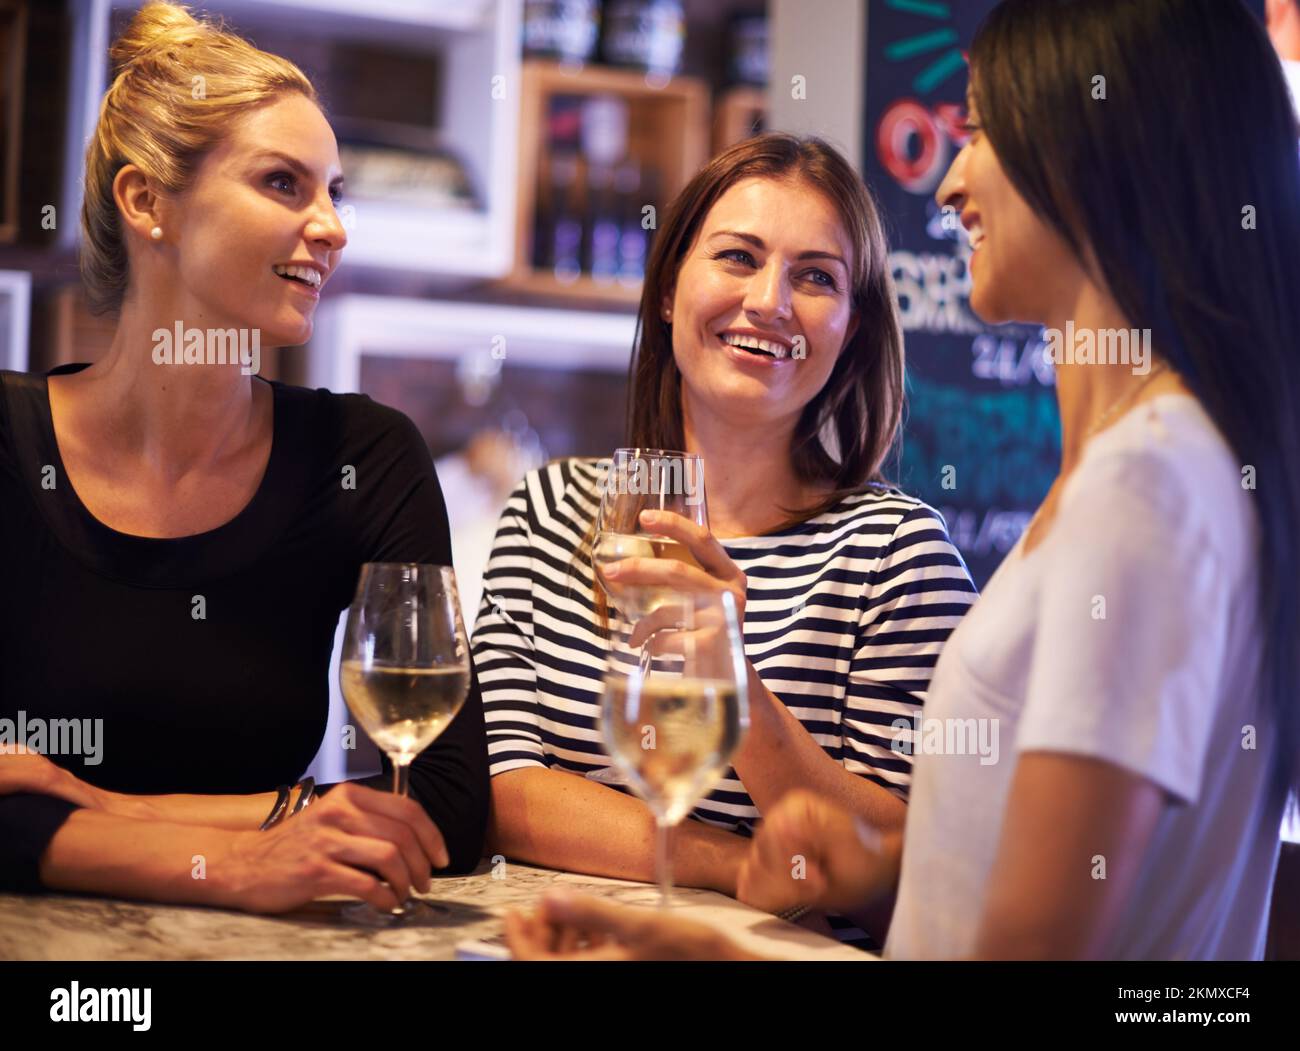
<point>672,723</point>
<point>405,673</point>
<point>643,480</point>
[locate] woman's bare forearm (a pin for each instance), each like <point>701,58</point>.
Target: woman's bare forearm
<point>244,813</point>
<point>103,853</point>
<point>30,772</point>
<point>778,755</point>
<point>563,821</point>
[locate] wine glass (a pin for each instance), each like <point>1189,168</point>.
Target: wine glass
<point>641,480</point>
<point>404,673</point>
<point>672,723</point>
<point>645,480</point>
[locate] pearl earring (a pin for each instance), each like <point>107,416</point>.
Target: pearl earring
<point>156,233</point>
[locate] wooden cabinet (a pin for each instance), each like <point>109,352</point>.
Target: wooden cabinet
<point>667,134</point>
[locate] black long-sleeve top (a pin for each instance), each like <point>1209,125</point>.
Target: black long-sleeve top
<point>101,625</point>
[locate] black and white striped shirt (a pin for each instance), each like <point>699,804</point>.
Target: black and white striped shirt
<point>845,615</point>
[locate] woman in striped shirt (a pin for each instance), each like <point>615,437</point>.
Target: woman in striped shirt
<point>769,344</point>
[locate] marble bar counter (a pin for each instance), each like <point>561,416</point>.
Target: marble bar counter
<point>67,927</point>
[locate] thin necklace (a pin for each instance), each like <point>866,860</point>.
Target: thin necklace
<point>1123,400</point>
<point>1119,403</point>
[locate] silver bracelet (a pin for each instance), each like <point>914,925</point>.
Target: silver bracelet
<point>306,795</point>
<point>277,811</point>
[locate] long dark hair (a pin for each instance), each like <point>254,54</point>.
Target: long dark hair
<point>1195,128</point>
<point>862,400</point>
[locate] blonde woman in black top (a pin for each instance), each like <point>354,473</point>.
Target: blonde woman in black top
<point>135,492</point>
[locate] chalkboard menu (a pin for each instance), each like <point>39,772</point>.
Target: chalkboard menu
<point>982,436</point>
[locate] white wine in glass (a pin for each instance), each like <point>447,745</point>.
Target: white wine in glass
<point>405,673</point>
<point>645,480</point>
<point>674,737</point>
<point>636,602</point>
<point>672,724</point>
<point>403,709</point>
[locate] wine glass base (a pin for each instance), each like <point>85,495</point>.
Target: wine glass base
<point>414,913</point>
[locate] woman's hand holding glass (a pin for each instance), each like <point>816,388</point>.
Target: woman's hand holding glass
<point>355,841</point>
<point>806,851</point>
<point>713,570</point>
<point>642,480</point>
<point>405,673</point>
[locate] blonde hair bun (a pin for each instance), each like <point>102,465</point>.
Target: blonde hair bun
<point>156,28</point>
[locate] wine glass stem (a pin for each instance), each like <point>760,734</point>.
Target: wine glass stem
<point>401,777</point>
<point>664,861</point>
<point>401,787</point>
<point>647,655</point>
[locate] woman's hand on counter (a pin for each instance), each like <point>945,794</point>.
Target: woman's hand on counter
<point>352,841</point>
<point>349,842</point>
<point>579,927</point>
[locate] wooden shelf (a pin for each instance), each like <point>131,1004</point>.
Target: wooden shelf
<point>668,125</point>
<point>585,289</point>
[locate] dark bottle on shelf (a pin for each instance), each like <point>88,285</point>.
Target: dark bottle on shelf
<point>605,229</point>
<point>561,29</point>
<point>565,256</point>
<point>564,115</point>
<point>543,228</point>
<point>562,137</point>
<point>644,34</point>
<point>634,238</point>
<point>747,60</point>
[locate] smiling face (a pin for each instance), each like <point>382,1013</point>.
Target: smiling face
<point>769,269</point>
<point>262,204</point>
<point>1020,266</point>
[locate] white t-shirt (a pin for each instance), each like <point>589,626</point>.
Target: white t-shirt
<point>1129,634</point>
